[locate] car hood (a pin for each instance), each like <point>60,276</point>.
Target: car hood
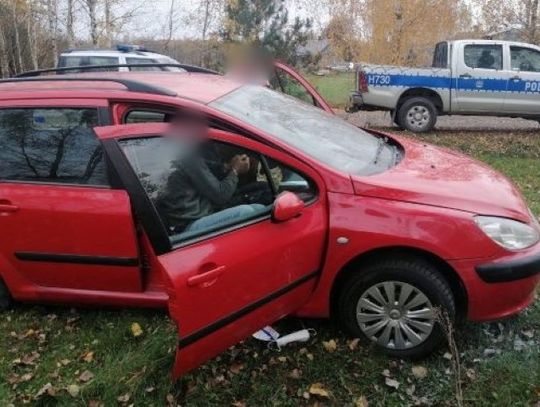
<point>437,176</point>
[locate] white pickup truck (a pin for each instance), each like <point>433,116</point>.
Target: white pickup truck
<point>467,77</point>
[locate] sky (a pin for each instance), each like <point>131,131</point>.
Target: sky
<point>151,17</point>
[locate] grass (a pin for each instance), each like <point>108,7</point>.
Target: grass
<point>501,362</point>
<point>334,87</point>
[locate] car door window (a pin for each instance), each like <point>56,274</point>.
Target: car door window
<point>197,192</point>
<point>525,59</point>
<point>52,145</point>
<point>284,83</point>
<point>146,116</point>
<point>484,56</point>
<point>139,61</point>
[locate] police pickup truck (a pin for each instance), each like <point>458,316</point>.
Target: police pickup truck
<point>467,77</point>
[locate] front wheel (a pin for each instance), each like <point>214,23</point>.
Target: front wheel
<point>394,304</point>
<point>417,114</point>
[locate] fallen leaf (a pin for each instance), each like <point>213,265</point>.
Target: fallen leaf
<point>73,390</point>
<point>48,389</point>
<point>236,368</point>
<point>88,357</point>
<point>26,377</point>
<point>471,374</point>
<point>391,383</point>
<point>150,389</point>
<point>386,373</point>
<point>361,401</point>
<point>136,329</point>
<point>330,346</point>
<point>124,398</point>
<point>86,376</point>
<point>238,404</point>
<point>419,372</point>
<point>282,359</point>
<point>95,403</point>
<point>447,355</point>
<point>353,344</point>
<point>317,389</point>
<point>295,374</point>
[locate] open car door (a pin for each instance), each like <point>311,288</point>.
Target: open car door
<point>226,282</point>
<point>290,82</point>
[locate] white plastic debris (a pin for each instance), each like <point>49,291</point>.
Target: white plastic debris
<point>275,341</point>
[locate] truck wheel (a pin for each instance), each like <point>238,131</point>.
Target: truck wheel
<point>417,114</point>
<point>5,296</point>
<point>393,304</point>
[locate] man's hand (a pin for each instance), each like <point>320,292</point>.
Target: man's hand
<point>240,163</point>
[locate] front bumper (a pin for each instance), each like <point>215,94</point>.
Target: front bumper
<point>500,287</point>
<point>505,271</point>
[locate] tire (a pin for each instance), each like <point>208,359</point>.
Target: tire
<point>5,297</point>
<point>417,114</point>
<point>394,336</point>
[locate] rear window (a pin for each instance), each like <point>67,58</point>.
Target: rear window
<point>51,146</point>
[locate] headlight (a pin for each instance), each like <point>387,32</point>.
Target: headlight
<point>510,234</point>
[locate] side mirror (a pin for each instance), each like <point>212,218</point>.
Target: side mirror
<point>287,206</point>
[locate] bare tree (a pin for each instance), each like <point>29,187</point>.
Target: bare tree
<point>70,22</point>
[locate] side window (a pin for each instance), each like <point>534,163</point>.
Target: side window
<point>51,146</point>
<point>484,56</point>
<point>100,60</point>
<point>286,179</point>
<point>138,61</point>
<point>146,116</point>
<point>525,59</point>
<point>284,83</point>
<point>213,186</point>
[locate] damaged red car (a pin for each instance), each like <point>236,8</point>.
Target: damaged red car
<point>281,208</point>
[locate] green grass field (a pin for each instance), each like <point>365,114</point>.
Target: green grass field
<point>335,87</point>
<point>89,357</point>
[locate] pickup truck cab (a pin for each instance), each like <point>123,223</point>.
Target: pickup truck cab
<point>467,77</point>
<point>112,193</point>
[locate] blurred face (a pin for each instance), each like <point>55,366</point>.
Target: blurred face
<point>191,129</point>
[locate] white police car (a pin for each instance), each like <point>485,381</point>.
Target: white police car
<point>122,55</point>
<point>468,77</point>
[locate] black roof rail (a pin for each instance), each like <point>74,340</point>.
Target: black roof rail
<point>79,69</point>
<point>131,85</point>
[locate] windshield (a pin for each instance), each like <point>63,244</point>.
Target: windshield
<point>321,135</point>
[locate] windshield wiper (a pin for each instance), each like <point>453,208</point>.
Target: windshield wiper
<point>380,146</point>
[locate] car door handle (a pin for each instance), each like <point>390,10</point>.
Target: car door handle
<point>515,78</point>
<point>7,207</point>
<point>466,76</point>
<point>205,277</point>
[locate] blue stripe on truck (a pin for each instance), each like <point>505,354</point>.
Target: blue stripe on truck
<point>443,82</point>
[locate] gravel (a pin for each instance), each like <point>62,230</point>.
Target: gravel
<point>383,119</point>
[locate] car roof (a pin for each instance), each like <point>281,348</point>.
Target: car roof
<point>494,42</point>
<point>201,87</point>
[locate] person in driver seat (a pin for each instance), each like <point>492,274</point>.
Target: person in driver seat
<point>202,183</point>
<point>486,60</point>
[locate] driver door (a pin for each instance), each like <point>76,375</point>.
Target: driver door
<point>226,282</point>
<point>290,82</point>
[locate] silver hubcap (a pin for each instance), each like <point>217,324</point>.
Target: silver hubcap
<point>418,117</point>
<point>395,315</point>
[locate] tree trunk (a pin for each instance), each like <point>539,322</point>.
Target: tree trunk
<point>31,35</point>
<point>4,65</point>
<point>533,21</point>
<point>69,24</point>
<point>109,29</point>
<point>91,4</point>
<point>17,51</point>
<point>52,17</point>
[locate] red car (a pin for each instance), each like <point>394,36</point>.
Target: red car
<point>282,209</point>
